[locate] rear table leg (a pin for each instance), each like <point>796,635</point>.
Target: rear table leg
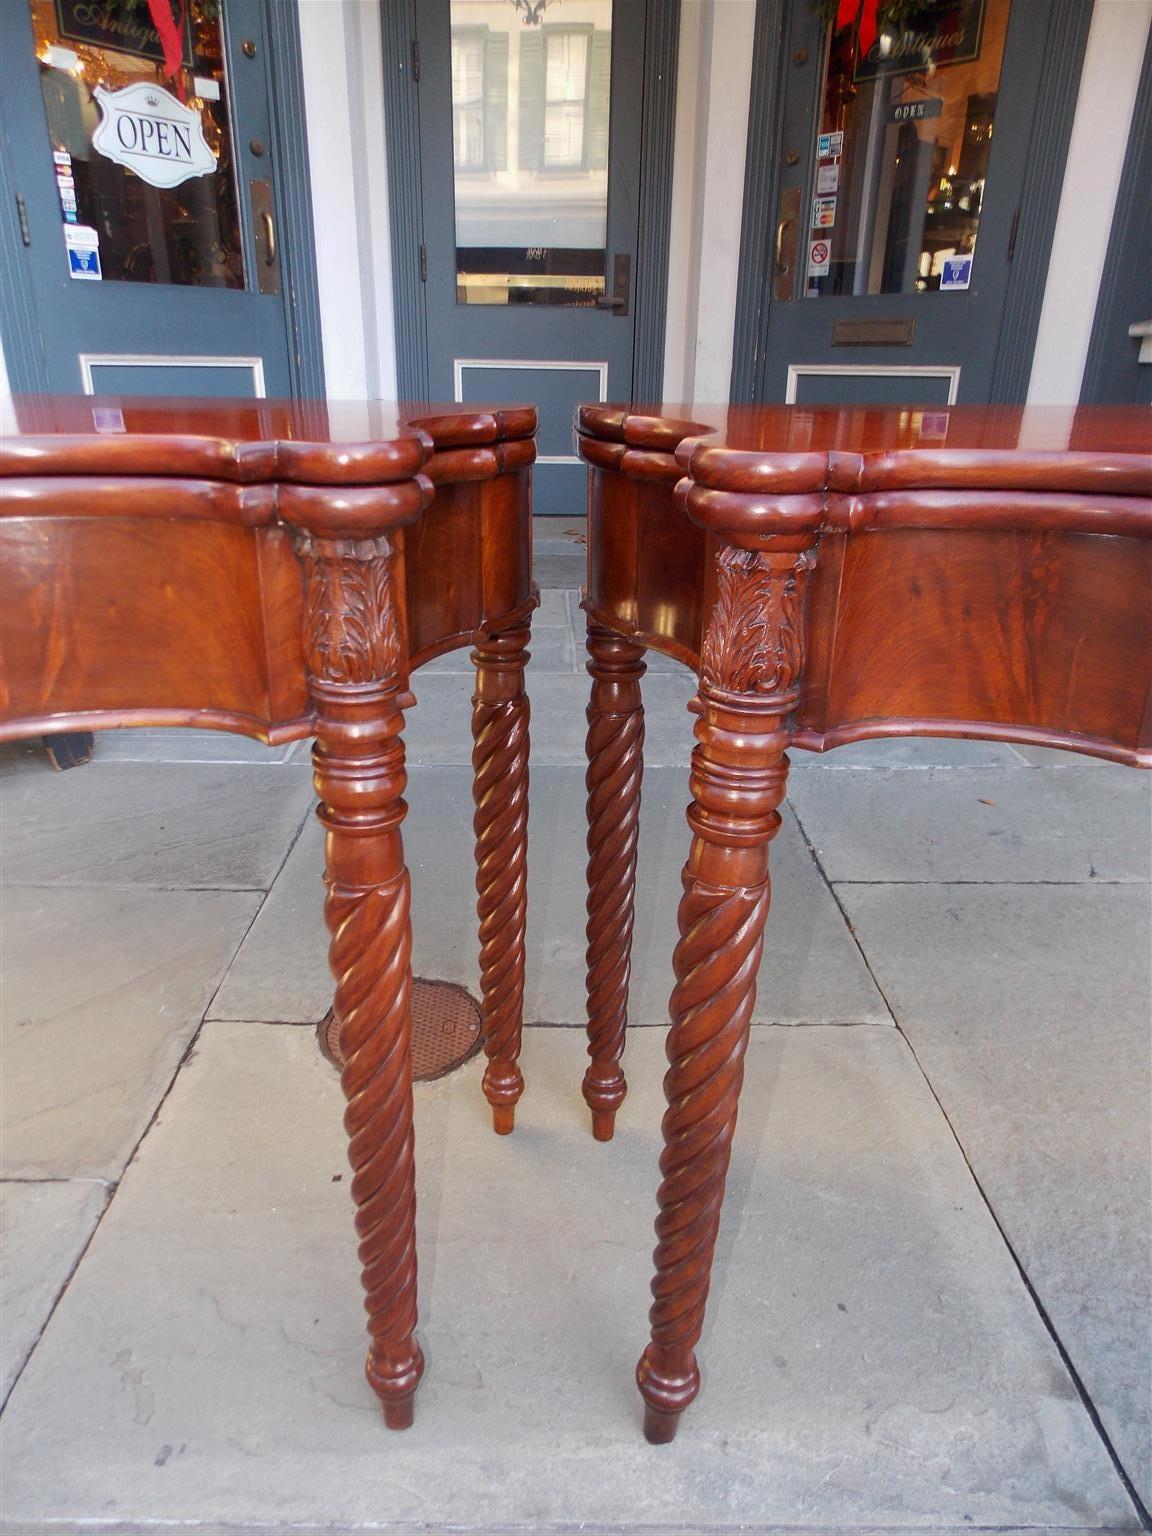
<point>500,714</point>
<point>615,748</point>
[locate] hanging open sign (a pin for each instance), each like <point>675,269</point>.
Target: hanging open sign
<point>146,129</point>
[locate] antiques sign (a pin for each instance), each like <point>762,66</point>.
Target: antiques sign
<point>146,129</point>
<point>125,25</point>
<point>929,34</point>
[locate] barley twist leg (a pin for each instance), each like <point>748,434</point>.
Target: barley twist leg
<point>751,663</point>
<point>615,750</point>
<point>500,717</point>
<point>356,661</point>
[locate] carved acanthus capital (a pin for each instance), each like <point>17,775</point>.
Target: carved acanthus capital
<point>351,628</point>
<point>755,637</point>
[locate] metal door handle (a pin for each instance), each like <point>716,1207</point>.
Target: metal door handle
<point>609,301</point>
<point>781,230</point>
<point>269,239</point>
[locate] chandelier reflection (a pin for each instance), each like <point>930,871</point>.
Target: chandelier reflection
<point>532,11</point>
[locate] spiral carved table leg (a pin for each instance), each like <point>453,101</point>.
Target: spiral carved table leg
<point>355,663</point>
<point>500,715</point>
<point>750,662</point>
<point>615,747</point>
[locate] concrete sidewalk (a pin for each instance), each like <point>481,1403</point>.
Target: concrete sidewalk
<point>931,1306</point>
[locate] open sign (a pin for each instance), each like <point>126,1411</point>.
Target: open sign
<point>146,129</point>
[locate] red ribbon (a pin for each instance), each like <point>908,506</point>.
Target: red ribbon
<point>863,12</point>
<point>170,30</point>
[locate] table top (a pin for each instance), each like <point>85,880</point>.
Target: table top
<point>246,440</point>
<point>792,449</point>
<point>822,429</point>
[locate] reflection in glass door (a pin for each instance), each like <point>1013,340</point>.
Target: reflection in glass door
<point>140,136</point>
<point>530,118</point>
<point>533,111</point>
<point>903,156</point>
<point>186,230</point>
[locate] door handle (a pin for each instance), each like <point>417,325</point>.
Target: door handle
<point>269,239</point>
<point>786,256</point>
<point>264,231</point>
<point>617,300</point>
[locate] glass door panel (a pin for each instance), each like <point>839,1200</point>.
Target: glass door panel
<point>146,177</point>
<point>901,153</point>
<point>530,131</point>
<point>138,139</point>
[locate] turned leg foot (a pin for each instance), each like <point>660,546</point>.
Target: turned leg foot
<point>666,1394</point>
<point>504,1117</point>
<point>394,1383</point>
<point>500,717</point>
<point>615,749</point>
<point>603,1121</point>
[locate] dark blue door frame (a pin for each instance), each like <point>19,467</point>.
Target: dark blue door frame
<point>1063,42</point>
<point>402,133</point>
<point>24,347</point>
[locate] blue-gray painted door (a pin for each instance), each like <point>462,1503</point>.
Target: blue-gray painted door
<point>146,193</point>
<point>530,120</point>
<point>903,156</point>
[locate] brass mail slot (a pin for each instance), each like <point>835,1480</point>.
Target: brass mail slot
<point>873,333</point>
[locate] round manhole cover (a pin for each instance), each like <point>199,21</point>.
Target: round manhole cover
<point>445,1029</point>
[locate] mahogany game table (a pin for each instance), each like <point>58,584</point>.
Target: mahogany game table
<point>279,569</point>
<point>831,575</point>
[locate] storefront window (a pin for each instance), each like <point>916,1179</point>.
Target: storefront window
<point>906,124</point>
<point>530,102</point>
<point>145,176</point>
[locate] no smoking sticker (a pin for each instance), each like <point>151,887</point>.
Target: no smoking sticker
<point>819,256</point>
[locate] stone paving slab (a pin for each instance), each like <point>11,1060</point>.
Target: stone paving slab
<point>186,746</point>
<point>1058,824</point>
<point>871,1357</point>
<point>438,729</point>
<point>43,1229</point>
<point>558,562</point>
<point>913,752</point>
<point>1029,1011</point>
<point>102,991</point>
<point>185,825</point>
<point>812,970</point>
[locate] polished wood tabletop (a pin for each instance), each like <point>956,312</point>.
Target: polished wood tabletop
<point>832,576</point>
<point>280,568</point>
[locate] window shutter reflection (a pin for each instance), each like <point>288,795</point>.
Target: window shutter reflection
<point>599,83</point>
<point>531,101</point>
<point>496,100</point>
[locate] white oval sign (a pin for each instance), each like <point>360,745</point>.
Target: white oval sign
<point>153,134</point>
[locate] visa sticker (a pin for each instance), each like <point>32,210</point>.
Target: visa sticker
<point>956,272</point>
<point>827,179</point>
<point>829,144</point>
